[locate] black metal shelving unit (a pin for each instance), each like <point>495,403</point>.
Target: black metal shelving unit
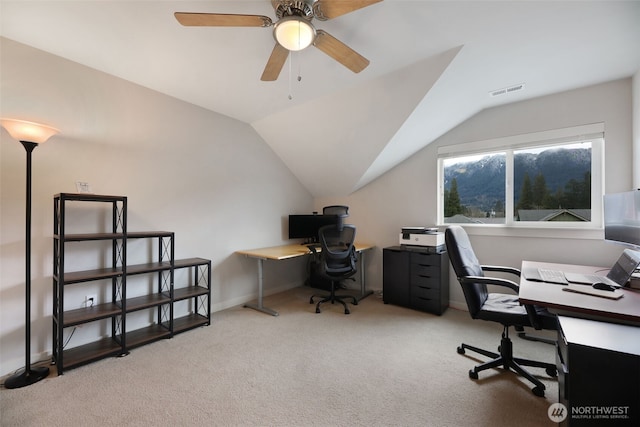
<point>196,292</point>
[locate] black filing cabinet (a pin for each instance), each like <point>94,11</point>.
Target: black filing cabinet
<point>416,277</point>
<point>598,373</point>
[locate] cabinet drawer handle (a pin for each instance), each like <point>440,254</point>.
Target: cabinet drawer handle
<point>424,287</point>
<point>424,275</point>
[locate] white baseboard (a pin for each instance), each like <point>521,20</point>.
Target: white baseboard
<point>11,366</point>
<point>251,297</point>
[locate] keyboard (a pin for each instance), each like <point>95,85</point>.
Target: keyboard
<point>552,276</point>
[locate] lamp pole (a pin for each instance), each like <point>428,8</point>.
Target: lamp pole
<point>30,135</point>
<point>30,375</point>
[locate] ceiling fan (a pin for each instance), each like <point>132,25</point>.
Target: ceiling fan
<point>293,30</point>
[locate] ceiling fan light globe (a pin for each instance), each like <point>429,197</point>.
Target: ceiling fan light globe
<point>294,33</point>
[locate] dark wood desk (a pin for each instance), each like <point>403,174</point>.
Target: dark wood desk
<point>624,310</point>
<point>598,359</point>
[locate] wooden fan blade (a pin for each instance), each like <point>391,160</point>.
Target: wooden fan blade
<point>222,20</point>
<point>274,65</point>
<point>340,51</point>
<point>329,9</point>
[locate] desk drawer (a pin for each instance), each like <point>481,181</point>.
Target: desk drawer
<point>426,292</point>
<point>431,305</point>
<point>419,271</point>
<point>429,258</point>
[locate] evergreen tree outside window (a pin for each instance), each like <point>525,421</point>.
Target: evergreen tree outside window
<point>561,190</point>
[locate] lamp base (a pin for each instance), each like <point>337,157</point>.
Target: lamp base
<point>28,377</point>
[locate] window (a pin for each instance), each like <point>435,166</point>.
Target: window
<point>548,179</point>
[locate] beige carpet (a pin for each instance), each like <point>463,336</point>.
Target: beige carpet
<point>380,366</point>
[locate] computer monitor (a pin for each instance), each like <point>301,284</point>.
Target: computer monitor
<point>622,218</point>
<point>307,226</point>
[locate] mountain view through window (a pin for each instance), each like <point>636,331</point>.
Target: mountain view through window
<point>549,184</point>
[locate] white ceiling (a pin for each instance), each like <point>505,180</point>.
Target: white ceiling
<point>433,64</point>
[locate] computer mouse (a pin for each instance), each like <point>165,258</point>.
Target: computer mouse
<point>603,286</point>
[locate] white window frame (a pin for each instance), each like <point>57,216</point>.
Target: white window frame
<point>593,133</point>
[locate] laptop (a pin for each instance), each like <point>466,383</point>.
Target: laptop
<point>617,277</point>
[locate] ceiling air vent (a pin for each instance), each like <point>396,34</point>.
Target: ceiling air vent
<point>505,90</point>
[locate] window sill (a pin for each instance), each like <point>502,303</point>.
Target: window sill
<point>532,231</point>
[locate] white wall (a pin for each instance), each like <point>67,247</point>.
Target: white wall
<point>406,195</point>
<point>210,179</point>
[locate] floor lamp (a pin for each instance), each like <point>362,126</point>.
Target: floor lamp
<point>30,135</point>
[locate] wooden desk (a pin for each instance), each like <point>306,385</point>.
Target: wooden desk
<point>624,310</point>
<point>597,358</point>
<point>279,253</point>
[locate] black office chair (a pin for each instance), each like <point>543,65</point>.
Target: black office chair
<point>496,307</point>
<point>340,211</point>
<point>337,261</point>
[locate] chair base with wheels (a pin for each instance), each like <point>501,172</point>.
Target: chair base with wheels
<point>333,298</point>
<point>508,362</point>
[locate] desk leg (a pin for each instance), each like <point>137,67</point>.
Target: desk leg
<point>363,291</point>
<point>259,306</point>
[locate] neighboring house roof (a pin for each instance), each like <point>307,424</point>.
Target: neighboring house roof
<point>554,214</point>
<point>461,219</point>
<point>528,215</point>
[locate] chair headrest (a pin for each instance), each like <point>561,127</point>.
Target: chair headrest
<point>338,210</point>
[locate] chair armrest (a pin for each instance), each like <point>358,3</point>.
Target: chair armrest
<point>491,281</point>
<point>313,247</point>
<point>501,269</point>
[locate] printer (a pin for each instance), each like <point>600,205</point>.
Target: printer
<point>421,236</point>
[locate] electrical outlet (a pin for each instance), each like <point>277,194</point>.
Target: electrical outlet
<point>90,300</point>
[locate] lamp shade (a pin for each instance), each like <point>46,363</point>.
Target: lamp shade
<point>28,131</point>
<point>294,33</point>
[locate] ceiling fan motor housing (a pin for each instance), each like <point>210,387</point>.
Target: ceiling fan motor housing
<point>284,8</point>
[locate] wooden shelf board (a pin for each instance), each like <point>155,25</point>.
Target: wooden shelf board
<point>188,292</point>
<point>89,352</point>
<point>85,237</point>
<point>146,335</point>
<point>87,275</point>
<point>190,321</point>
<point>150,267</point>
<point>149,234</point>
<point>90,314</point>
<point>146,301</point>
<point>190,262</point>
<point>89,197</point>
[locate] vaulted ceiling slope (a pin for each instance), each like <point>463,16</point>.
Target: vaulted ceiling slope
<point>433,65</point>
